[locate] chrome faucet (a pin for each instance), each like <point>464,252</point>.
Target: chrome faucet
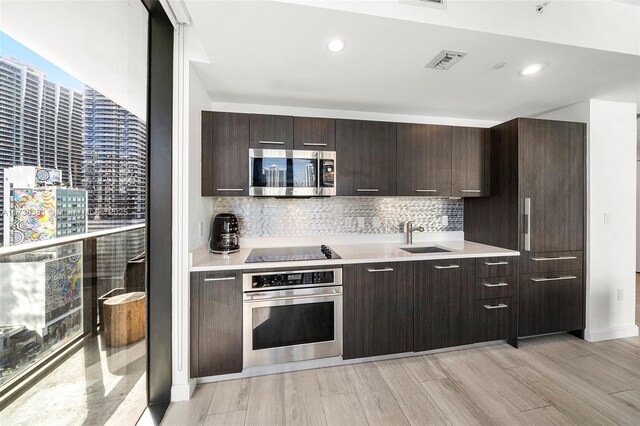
<point>408,232</point>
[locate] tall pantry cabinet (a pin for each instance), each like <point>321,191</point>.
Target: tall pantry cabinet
<point>537,206</point>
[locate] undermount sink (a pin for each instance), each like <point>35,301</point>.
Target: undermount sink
<point>430,249</point>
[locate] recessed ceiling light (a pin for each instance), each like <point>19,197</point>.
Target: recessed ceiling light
<point>336,45</point>
<point>499,65</point>
<point>531,69</point>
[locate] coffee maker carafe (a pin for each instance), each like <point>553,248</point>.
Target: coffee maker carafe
<point>224,236</point>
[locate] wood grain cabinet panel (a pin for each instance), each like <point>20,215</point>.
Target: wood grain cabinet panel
<point>271,131</point>
<point>314,134</point>
<point>443,303</point>
<point>366,158</point>
<point>424,160</point>
<point>378,309</point>
<point>216,323</point>
<point>494,319</point>
<point>470,161</point>
<point>225,154</point>
<point>551,302</point>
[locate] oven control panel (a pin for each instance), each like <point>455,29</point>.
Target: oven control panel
<point>313,278</point>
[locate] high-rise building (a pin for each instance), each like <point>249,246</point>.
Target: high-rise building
<point>40,123</point>
<point>115,158</point>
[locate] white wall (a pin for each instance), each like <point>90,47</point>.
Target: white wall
<point>199,207</point>
<point>638,199</point>
<point>611,189</point>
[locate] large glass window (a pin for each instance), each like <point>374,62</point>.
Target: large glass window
<point>73,156</point>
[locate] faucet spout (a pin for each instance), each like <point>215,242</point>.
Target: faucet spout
<point>409,229</point>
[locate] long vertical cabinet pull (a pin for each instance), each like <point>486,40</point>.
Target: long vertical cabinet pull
<point>527,224</point>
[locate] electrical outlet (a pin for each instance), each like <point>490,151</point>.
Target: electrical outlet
<point>200,228</point>
<point>360,222</point>
<point>377,223</point>
<point>607,218</point>
<point>347,222</point>
<point>444,220</point>
<point>620,295</point>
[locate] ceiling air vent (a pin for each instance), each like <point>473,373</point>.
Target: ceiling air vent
<point>445,59</point>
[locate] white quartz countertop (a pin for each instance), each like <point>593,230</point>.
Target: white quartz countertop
<point>202,260</point>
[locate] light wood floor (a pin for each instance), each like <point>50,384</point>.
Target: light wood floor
<point>557,379</point>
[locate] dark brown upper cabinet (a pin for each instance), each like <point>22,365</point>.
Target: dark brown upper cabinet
<point>225,154</point>
<point>271,131</point>
<point>366,158</point>
<point>424,160</point>
<point>314,134</point>
<point>470,161</point>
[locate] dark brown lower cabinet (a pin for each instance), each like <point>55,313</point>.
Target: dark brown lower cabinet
<point>378,309</point>
<point>493,319</point>
<point>551,302</point>
<point>216,323</point>
<point>443,303</point>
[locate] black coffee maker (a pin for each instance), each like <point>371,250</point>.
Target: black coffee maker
<point>224,236</point>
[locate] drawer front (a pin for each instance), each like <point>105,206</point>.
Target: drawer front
<point>494,319</point>
<point>558,261</point>
<point>551,302</point>
<point>495,266</point>
<point>492,288</point>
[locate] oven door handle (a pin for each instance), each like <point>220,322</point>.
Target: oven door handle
<point>266,298</point>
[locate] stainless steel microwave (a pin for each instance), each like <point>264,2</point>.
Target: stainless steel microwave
<point>292,173</point>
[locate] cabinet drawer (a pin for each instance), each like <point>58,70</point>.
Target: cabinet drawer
<point>493,319</point>
<point>551,302</point>
<point>557,261</point>
<point>495,266</point>
<point>492,288</point>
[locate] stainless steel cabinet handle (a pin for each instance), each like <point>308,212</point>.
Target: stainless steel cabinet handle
<point>544,259</point>
<point>230,189</point>
<point>495,263</point>
<point>367,190</point>
<point>314,144</point>
<point>568,277</point>
<point>220,279</point>
<point>380,270</point>
<point>446,266</point>
<point>499,306</point>
<point>527,224</point>
<point>471,190</point>
<point>426,190</point>
<point>271,142</point>
<point>500,284</point>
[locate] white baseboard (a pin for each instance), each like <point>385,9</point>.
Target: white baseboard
<point>600,334</point>
<point>183,392</point>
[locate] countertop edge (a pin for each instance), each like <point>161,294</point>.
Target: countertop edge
<point>333,262</point>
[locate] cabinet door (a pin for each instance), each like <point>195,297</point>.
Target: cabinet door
<point>470,162</point>
<point>551,302</point>
<point>216,323</point>
<point>271,131</point>
<point>366,158</point>
<point>552,173</point>
<point>314,134</point>
<point>443,303</point>
<point>225,154</point>
<point>424,160</point>
<point>378,311</point>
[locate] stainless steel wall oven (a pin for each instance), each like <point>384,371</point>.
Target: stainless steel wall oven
<point>291,316</point>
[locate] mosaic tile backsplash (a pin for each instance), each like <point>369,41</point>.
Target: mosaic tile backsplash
<point>273,217</point>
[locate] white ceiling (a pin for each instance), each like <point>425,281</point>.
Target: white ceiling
<point>274,53</point>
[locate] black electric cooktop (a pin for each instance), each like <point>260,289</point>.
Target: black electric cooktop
<point>288,254</point>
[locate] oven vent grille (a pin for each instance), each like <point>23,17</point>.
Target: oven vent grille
<point>445,60</point>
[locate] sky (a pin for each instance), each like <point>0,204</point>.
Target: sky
<point>10,47</point>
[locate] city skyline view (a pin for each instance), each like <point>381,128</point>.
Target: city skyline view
<point>50,119</point>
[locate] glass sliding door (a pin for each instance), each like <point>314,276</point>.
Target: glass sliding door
<point>73,182</point>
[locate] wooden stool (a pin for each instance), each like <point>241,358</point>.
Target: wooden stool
<point>124,319</point>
